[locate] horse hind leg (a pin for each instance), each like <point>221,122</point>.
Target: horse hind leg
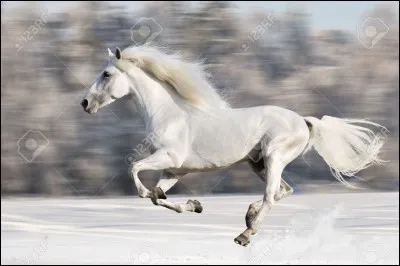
<point>252,212</point>
<point>284,191</point>
<point>274,164</point>
<point>274,168</point>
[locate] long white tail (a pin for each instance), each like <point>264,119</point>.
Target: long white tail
<point>345,147</point>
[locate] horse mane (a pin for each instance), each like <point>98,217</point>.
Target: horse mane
<point>189,79</point>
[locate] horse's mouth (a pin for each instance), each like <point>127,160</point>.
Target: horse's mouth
<point>91,110</point>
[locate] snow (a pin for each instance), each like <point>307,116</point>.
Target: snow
<point>356,228</point>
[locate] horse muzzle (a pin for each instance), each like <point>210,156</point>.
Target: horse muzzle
<point>88,107</point>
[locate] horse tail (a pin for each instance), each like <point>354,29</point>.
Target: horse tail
<point>347,148</point>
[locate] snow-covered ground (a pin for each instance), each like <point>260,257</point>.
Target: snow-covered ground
<point>358,228</point>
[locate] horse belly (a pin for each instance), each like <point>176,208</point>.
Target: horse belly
<point>228,140</point>
<point>218,150</point>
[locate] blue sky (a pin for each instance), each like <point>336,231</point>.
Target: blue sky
<point>324,15</point>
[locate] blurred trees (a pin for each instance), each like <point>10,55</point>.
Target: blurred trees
<point>313,73</point>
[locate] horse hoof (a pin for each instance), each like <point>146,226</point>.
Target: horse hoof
<point>196,205</point>
<point>158,193</point>
<point>242,240</point>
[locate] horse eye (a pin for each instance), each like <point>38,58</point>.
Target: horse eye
<point>106,74</point>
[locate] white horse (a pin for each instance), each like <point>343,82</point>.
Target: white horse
<point>198,131</point>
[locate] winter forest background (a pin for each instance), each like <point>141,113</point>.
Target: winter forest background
<point>275,58</point>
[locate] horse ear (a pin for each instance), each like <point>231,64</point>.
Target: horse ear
<point>118,53</point>
<point>110,54</point>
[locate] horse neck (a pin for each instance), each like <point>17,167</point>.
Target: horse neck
<point>154,99</point>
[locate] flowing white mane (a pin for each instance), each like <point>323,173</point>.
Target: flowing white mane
<point>188,78</point>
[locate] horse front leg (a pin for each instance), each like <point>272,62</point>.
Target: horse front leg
<point>160,160</point>
<point>166,182</point>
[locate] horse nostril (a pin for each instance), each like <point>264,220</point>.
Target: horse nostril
<point>85,103</point>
